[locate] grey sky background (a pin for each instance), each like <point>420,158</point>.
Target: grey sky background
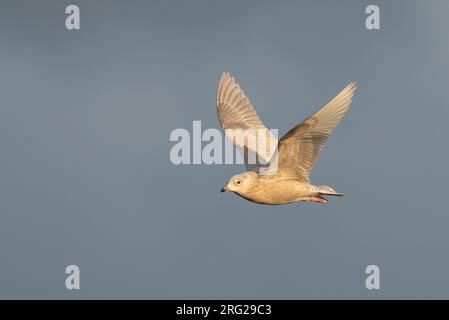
<point>85,119</point>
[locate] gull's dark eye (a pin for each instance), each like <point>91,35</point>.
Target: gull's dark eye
<point>238,181</point>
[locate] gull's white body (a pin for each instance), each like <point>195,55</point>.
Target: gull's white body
<point>297,150</point>
<point>276,189</point>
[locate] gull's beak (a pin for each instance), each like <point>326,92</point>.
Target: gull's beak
<point>224,189</point>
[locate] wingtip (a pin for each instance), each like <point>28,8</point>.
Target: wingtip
<point>225,75</point>
<point>353,85</point>
<point>225,78</point>
<point>350,88</point>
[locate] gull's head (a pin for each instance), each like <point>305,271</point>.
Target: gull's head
<point>240,183</point>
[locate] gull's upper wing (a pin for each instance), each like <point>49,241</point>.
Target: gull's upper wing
<point>300,147</point>
<point>240,122</point>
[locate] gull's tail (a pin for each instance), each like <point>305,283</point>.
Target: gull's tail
<point>326,190</point>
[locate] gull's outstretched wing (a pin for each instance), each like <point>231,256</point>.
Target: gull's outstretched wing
<point>300,147</point>
<point>240,122</point>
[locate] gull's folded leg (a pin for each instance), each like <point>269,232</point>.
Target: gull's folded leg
<point>319,199</point>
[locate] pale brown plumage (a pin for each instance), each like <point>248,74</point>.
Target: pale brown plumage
<point>287,177</point>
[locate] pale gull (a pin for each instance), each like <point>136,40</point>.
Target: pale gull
<point>284,178</point>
